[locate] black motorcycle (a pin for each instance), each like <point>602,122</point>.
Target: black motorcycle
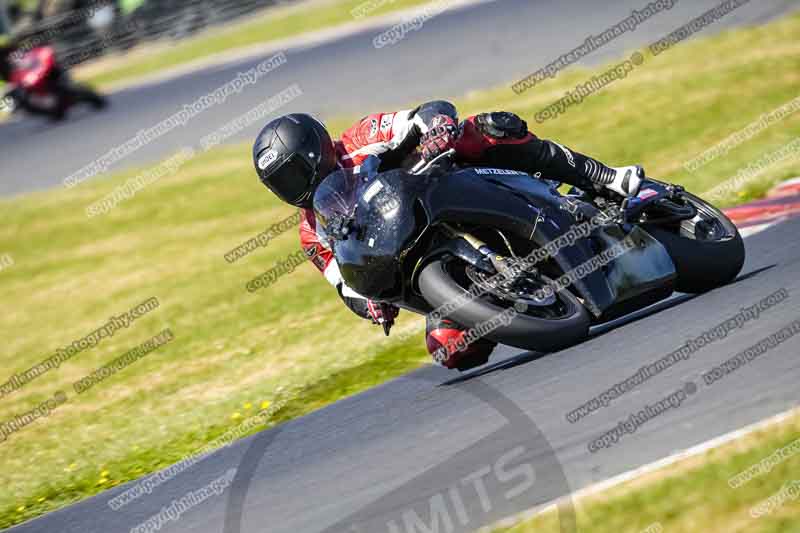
<point>473,244</point>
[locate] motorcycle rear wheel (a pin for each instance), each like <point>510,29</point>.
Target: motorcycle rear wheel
<point>708,251</point>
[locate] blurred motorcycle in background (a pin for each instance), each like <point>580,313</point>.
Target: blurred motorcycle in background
<point>39,85</point>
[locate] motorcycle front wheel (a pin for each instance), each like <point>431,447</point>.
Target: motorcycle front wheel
<point>521,321</point>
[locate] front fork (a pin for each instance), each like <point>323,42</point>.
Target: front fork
<point>499,262</point>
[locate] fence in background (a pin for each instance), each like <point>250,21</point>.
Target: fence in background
<point>90,29</point>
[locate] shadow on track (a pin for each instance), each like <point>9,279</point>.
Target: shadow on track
<point>596,331</point>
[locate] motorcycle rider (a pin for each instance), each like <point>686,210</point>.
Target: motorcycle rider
<point>294,153</point>
<point>39,58</point>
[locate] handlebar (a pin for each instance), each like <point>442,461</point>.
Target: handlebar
<point>423,166</point>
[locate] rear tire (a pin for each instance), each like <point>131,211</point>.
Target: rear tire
<point>524,331</point>
<point>703,265</point>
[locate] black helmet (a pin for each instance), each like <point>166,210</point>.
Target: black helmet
<point>292,154</point>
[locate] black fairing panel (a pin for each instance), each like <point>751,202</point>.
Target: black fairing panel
<point>642,275</point>
<point>389,211</point>
<point>471,198</point>
<point>532,209</point>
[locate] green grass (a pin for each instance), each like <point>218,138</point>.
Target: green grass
<point>694,495</point>
<point>293,342</point>
<point>271,26</point>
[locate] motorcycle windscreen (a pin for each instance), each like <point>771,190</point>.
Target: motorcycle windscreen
<point>380,212</point>
<point>336,196</point>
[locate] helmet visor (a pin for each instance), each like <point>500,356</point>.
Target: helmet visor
<point>291,180</point>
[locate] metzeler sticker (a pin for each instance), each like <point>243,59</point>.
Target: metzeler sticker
<point>267,159</point>
<point>373,127</point>
<point>498,172</point>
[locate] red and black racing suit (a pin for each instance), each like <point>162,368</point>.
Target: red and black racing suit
<point>498,140</point>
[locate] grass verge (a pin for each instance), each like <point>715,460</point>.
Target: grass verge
<point>695,494</point>
<point>235,351</point>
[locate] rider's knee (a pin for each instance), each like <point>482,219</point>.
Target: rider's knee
<point>449,346</point>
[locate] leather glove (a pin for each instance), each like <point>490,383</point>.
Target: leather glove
<point>382,314</point>
<point>441,136</point>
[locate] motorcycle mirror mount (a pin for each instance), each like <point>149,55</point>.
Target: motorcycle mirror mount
<point>424,166</point>
<point>339,227</point>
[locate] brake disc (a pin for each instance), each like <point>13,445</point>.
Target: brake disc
<point>521,288</point>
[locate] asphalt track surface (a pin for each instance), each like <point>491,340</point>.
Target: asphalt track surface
<point>377,461</point>
<point>479,46</point>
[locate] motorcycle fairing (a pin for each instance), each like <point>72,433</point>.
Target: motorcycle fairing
<point>532,209</point>
<point>386,213</point>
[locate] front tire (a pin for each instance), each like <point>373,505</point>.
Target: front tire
<point>438,287</point>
